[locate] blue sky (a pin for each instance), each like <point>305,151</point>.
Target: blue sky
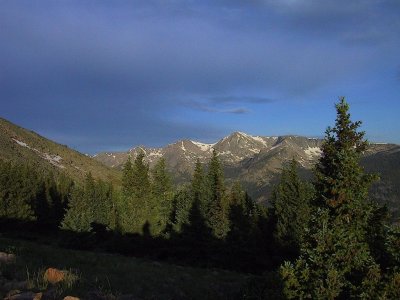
<point>108,75</point>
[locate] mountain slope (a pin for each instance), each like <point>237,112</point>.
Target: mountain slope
<point>23,146</point>
<point>386,163</point>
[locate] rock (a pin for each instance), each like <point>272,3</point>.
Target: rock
<point>15,285</point>
<point>70,298</point>
<point>12,293</point>
<point>38,296</point>
<point>23,296</point>
<point>7,258</point>
<point>53,275</point>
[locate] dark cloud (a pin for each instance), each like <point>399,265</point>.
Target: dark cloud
<point>211,108</point>
<point>238,111</point>
<point>240,99</point>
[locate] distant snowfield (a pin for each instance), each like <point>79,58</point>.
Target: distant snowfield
<point>311,152</point>
<point>51,158</point>
<point>204,147</point>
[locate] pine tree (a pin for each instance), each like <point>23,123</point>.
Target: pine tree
<point>180,212</point>
<point>78,216</point>
<point>291,208</point>
<point>127,178</point>
<point>216,208</point>
<point>81,207</point>
<point>162,195</point>
<point>240,215</point>
<point>198,187</point>
<point>103,203</point>
<point>141,179</point>
<point>335,260</point>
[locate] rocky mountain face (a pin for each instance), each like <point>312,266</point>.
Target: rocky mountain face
<point>232,150</point>
<point>256,161</point>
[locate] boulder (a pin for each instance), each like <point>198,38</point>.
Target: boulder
<point>70,298</point>
<point>7,258</point>
<point>24,296</point>
<point>53,275</point>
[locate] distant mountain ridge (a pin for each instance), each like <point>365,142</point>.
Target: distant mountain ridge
<point>232,150</point>
<point>256,161</point>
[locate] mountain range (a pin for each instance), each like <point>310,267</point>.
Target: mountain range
<point>255,161</point>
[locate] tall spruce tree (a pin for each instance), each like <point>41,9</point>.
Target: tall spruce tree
<point>103,203</point>
<point>141,179</point>
<point>291,208</point>
<point>127,178</point>
<point>180,212</point>
<point>80,213</point>
<point>162,195</point>
<point>198,186</point>
<point>335,260</point>
<point>240,215</point>
<point>216,211</point>
<point>134,207</point>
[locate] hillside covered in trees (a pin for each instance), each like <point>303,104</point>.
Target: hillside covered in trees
<point>322,239</point>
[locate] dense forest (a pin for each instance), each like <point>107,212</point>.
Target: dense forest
<point>322,239</point>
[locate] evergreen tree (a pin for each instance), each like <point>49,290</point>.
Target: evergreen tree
<point>240,215</point>
<point>216,207</point>
<point>103,203</point>
<point>180,212</point>
<point>19,186</point>
<point>141,179</point>
<point>134,207</point>
<point>195,230</point>
<point>161,180</point>
<point>198,181</point>
<point>127,178</point>
<point>291,208</point>
<point>335,260</point>
<point>198,187</point>
<point>162,195</point>
<point>80,214</point>
<point>48,205</point>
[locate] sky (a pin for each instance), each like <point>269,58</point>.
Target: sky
<point>110,75</point>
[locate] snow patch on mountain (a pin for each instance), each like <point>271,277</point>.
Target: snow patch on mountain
<point>21,143</point>
<point>261,140</point>
<point>156,153</point>
<point>183,147</point>
<point>204,147</point>
<point>51,158</point>
<point>311,152</point>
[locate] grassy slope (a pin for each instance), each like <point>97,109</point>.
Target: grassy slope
<point>76,164</point>
<point>119,275</point>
